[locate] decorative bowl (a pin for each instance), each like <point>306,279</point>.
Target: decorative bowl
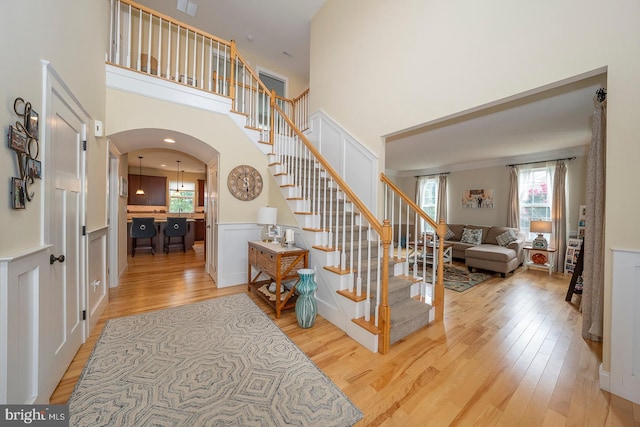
<point>539,258</point>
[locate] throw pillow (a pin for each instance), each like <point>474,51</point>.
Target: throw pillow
<point>449,234</point>
<point>472,236</point>
<point>505,238</point>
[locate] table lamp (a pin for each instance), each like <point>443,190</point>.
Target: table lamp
<point>268,217</point>
<point>540,227</point>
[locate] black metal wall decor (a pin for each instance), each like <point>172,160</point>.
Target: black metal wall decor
<point>23,140</point>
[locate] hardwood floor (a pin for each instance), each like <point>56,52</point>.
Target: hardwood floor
<point>509,352</point>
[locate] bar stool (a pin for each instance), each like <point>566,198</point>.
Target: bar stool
<point>143,228</point>
<point>176,227</point>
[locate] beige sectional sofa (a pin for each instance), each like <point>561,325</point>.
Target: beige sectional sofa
<point>488,254</point>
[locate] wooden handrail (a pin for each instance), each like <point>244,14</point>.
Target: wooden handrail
<point>411,203</point>
<point>440,227</point>
<point>371,219</point>
<point>384,230</point>
<point>305,92</point>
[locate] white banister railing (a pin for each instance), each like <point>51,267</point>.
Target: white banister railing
<point>357,240</point>
<point>411,249</point>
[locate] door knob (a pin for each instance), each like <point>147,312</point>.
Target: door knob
<point>53,258</point>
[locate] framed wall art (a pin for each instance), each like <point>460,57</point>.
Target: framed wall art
<point>124,187</point>
<point>32,125</point>
<point>34,168</point>
<point>478,199</point>
<point>17,140</point>
<point>18,194</point>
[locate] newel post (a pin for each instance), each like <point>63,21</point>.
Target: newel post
<point>272,105</point>
<point>232,77</point>
<point>438,292</point>
<point>384,312</point>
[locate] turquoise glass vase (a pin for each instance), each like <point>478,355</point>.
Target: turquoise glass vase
<point>306,306</point>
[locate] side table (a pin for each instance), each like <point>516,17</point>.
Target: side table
<point>279,264</point>
<point>550,254</point>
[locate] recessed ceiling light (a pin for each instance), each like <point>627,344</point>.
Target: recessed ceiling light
<point>170,140</point>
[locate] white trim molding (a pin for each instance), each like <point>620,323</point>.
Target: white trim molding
<point>625,325</point>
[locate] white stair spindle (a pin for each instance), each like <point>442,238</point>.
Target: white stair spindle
<point>139,65</point>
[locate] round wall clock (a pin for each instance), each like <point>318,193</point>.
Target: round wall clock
<point>245,182</point>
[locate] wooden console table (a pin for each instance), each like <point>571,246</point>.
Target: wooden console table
<point>279,264</point>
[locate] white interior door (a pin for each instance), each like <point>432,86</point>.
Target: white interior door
<point>211,238</point>
<point>65,180</point>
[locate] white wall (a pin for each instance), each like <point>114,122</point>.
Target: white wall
<point>379,68</point>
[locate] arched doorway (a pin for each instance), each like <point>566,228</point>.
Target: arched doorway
<point>182,160</point>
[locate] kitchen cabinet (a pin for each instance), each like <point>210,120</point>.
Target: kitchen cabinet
<point>200,229</point>
<point>155,190</point>
<point>201,192</point>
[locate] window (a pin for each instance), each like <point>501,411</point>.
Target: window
<point>182,196</point>
<point>535,193</point>
<point>428,199</point>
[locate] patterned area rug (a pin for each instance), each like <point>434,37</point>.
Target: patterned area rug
<point>218,362</point>
<point>459,279</point>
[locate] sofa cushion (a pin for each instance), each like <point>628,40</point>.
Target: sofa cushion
<point>457,231</point>
<point>471,236</point>
<point>490,253</point>
<point>494,232</point>
<point>505,238</point>
<point>449,234</point>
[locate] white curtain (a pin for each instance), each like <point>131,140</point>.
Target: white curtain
<point>559,214</point>
<point>420,190</point>
<point>513,216</point>
<point>593,244</point>
<point>442,199</point>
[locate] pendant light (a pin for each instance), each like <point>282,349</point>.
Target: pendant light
<point>182,185</point>
<point>140,191</point>
<point>177,176</point>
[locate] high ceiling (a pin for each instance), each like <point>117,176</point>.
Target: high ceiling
<point>265,28</point>
<point>547,123</point>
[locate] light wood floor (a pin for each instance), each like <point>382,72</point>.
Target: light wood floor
<point>509,352</point>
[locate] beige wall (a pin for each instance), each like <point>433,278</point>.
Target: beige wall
<point>128,111</point>
<point>72,36</point>
<point>458,55</point>
<point>496,178</point>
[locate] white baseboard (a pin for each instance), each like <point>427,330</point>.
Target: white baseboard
<point>605,379</point>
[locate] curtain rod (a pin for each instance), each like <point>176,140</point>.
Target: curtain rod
<point>541,161</point>
<point>433,174</point>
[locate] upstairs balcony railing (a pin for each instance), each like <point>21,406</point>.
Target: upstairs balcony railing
<point>152,43</point>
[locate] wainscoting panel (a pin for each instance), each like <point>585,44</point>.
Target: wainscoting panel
<point>232,252</point>
<point>23,370</point>
<point>97,286</point>
<point>625,325</point>
<point>342,150</point>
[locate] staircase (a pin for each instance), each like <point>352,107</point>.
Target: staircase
<point>345,251</point>
<point>364,286</point>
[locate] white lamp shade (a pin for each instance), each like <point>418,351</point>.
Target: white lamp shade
<point>267,215</point>
<point>540,227</point>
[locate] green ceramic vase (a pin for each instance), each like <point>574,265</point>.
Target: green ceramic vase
<point>306,306</point>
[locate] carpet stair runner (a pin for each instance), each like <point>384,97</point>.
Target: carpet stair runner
<point>407,313</point>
